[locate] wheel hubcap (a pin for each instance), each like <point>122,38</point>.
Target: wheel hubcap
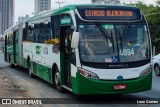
<point>57,78</point>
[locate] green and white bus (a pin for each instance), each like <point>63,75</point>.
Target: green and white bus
<point>86,49</point>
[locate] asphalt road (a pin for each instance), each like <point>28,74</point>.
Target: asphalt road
<point>37,88</point>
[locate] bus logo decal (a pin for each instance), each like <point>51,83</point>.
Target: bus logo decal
<point>120,78</point>
<point>38,49</point>
<point>45,50</point>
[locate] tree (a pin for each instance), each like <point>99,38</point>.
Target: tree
<point>152,15</point>
<point>158,2</point>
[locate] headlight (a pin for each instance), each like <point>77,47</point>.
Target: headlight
<point>88,74</point>
<point>146,71</point>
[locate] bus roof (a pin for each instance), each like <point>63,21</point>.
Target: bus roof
<point>65,9</point>
<point>11,28</point>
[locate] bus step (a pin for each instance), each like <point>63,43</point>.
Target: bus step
<point>66,87</point>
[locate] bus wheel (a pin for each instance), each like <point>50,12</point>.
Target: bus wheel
<point>57,81</point>
<point>30,69</point>
<point>157,70</point>
<point>12,65</point>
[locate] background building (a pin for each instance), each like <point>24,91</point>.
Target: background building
<point>105,1</point>
<point>6,14</point>
<point>41,5</point>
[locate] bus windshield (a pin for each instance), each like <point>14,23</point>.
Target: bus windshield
<point>114,43</point>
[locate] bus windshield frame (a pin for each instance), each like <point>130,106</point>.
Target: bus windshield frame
<point>121,41</point>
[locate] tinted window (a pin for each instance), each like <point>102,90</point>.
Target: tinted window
<point>39,31</point>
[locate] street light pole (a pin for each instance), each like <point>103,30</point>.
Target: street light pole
<point>59,3</point>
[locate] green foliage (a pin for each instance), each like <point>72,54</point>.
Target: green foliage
<point>152,14</point>
<point>158,2</point>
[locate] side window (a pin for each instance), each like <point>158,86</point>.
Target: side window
<point>10,38</point>
<point>30,36</point>
<point>16,33</point>
<point>47,31</point>
<point>25,29</point>
<point>41,33</point>
<point>24,36</point>
<point>38,32</point>
<point>7,39</point>
<point>42,30</point>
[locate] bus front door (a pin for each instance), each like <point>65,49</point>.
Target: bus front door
<point>65,48</point>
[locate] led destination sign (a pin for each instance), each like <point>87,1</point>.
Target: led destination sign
<point>103,13</point>
<point>109,13</point>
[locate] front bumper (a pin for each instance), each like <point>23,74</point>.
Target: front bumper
<point>85,86</point>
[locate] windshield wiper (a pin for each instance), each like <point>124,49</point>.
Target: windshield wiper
<point>112,42</point>
<point>126,31</point>
<point>104,32</point>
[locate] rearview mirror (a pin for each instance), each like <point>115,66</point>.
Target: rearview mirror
<point>75,40</point>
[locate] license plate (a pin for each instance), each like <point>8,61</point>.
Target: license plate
<point>119,86</point>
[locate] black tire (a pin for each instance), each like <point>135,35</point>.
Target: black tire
<point>157,70</point>
<point>30,69</point>
<point>12,65</point>
<point>57,81</point>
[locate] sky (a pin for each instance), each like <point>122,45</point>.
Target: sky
<point>24,7</point>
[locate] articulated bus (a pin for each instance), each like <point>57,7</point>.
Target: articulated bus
<point>86,49</point>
